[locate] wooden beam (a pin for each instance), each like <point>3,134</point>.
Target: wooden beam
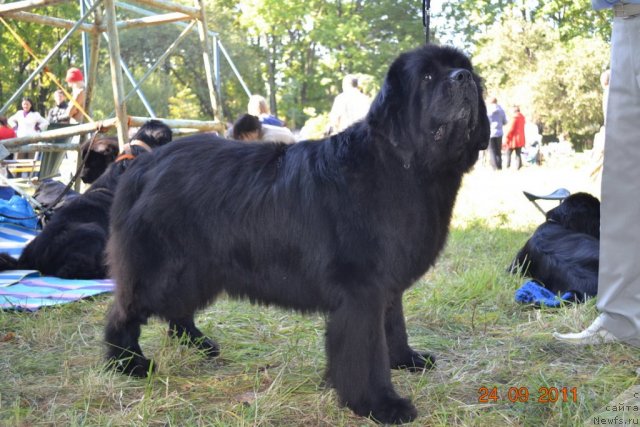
<point>94,54</point>
<point>50,21</point>
<point>117,80</point>
<point>153,20</point>
<point>203,33</point>
<point>209,125</point>
<point>49,135</point>
<point>45,147</point>
<point>170,6</point>
<point>18,6</point>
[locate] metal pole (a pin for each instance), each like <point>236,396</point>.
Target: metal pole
<point>136,90</point>
<point>216,71</point>
<point>170,49</point>
<point>85,47</point>
<point>233,67</point>
<point>44,62</point>
<point>220,46</point>
<point>129,75</point>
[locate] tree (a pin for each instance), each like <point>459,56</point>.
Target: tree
<point>556,84</point>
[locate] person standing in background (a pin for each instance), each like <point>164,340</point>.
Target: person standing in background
<point>58,114</point>
<point>27,122</point>
<point>515,137</point>
<point>75,110</point>
<point>258,107</point>
<point>6,131</point>
<point>349,106</point>
<point>619,270</point>
<point>497,119</point>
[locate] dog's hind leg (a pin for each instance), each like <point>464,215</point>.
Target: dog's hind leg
<point>401,355</point>
<point>187,328</point>
<point>358,359</point>
<point>123,349</point>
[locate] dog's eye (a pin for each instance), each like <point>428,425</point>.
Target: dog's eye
<point>427,77</point>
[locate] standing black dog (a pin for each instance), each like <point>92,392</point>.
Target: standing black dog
<point>563,253</point>
<point>72,243</point>
<point>342,225</point>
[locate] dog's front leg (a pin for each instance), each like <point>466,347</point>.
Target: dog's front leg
<point>401,355</point>
<point>358,359</point>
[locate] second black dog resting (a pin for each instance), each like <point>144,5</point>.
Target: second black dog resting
<point>343,225</point>
<point>72,243</point>
<point>563,253</point>
<point>97,156</point>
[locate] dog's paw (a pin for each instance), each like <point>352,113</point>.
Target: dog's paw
<point>394,411</point>
<point>415,362</point>
<point>134,366</point>
<point>209,347</point>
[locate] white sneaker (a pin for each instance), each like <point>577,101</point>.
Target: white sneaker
<point>594,334</point>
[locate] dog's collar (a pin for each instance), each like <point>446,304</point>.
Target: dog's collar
<point>139,143</point>
<point>125,156</point>
<point>126,150</point>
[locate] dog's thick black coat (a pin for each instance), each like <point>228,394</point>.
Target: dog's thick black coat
<point>342,226</point>
<point>72,243</point>
<point>563,253</point>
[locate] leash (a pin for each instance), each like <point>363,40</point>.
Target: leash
<point>426,18</point>
<point>79,170</point>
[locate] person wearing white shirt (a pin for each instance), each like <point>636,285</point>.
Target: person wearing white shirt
<point>349,106</point>
<point>27,122</point>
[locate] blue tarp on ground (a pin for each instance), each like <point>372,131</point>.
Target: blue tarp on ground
<point>27,289</point>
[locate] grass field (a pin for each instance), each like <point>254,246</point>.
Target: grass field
<point>272,362</point>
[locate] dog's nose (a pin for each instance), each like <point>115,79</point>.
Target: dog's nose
<point>460,75</point>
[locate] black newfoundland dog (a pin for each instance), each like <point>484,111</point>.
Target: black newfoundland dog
<point>342,226</point>
<point>97,155</point>
<point>563,253</point>
<point>72,243</point>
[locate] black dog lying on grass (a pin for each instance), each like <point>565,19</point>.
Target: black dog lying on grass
<point>96,156</point>
<point>342,225</point>
<point>72,243</point>
<point>563,253</point>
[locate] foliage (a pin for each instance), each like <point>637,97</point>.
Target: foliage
<point>304,48</point>
<point>556,84</point>
<point>16,64</point>
<point>547,55</point>
<point>466,20</point>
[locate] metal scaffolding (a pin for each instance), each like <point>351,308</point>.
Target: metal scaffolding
<point>99,20</point>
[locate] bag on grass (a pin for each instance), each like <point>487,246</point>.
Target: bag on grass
<point>17,210</point>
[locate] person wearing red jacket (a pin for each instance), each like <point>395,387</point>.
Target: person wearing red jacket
<point>6,131</point>
<point>514,138</point>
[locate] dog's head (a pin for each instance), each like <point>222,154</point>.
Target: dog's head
<point>153,133</point>
<point>431,109</point>
<point>98,155</point>
<point>579,212</point>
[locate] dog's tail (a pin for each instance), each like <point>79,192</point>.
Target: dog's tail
<point>7,262</point>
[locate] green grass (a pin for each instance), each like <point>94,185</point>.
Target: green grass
<point>272,362</point>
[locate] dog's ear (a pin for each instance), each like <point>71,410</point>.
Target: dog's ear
<point>388,111</point>
<point>107,147</point>
<point>481,132</point>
